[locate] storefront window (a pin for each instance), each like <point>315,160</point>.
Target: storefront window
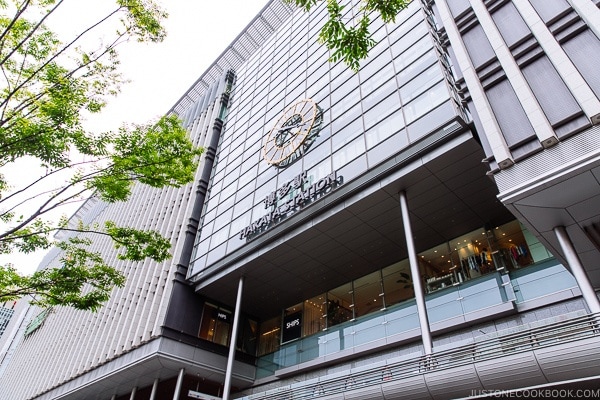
<point>339,305</point>
<point>270,336</point>
<point>247,339</point>
<point>502,248</point>
<point>510,248</point>
<point>314,315</point>
<point>483,251</point>
<point>368,294</point>
<point>216,324</point>
<point>397,283</point>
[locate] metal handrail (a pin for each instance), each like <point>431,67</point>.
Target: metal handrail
<point>482,348</point>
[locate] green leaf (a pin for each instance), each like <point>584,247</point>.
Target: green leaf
<point>350,39</point>
<point>49,87</point>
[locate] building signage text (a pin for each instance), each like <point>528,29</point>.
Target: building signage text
<point>292,327</point>
<point>289,198</point>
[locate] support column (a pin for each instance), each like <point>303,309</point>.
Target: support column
<point>179,384</point>
<point>416,277</point>
<point>133,392</point>
<point>154,389</point>
<point>232,342</point>
<point>588,292</point>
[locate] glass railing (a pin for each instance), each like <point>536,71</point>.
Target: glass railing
<point>546,336</point>
<point>467,297</point>
<point>392,321</point>
<point>387,323</point>
<point>541,280</point>
<point>453,301</point>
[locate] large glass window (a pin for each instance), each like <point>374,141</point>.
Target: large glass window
<point>434,96</point>
<point>269,336</point>
<point>383,130</point>
<point>382,110</point>
<point>314,314</point>
<point>368,294</point>
<point>339,305</point>
<point>247,340</point>
<point>419,84</point>
<point>502,249</point>
<point>397,283</point>
<point>216,324</point>
<point>349,152</point>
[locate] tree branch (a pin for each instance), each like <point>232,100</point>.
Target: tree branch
<point>55,56</point>
<point>20,11</point>
<point>30,34</point>
<point>29,186</point>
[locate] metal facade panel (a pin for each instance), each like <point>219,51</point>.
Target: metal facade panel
<point>571,360</point>
<point>406,389</point>
<point>511,371</point>
<point>444,384</point>
<point>373,392</point>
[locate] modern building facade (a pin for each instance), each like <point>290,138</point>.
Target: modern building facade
<point>428,227</point>
<point>6,312</point>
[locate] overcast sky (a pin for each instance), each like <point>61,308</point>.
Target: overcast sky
<point>197,33</point>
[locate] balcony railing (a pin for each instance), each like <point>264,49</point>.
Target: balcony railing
<point>484,348</point>
<point>388,326</point>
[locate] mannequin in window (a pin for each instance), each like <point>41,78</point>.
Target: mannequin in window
<point>483,256</point>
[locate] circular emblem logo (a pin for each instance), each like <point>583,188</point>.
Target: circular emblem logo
<point>293,133</point>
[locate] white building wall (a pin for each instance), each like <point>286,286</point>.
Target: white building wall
<point>72,342</point>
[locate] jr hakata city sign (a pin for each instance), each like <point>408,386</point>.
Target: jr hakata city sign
<point>289,198</point>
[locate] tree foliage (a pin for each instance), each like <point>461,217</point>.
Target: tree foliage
<point>346,31</point>
<point>47,88</point>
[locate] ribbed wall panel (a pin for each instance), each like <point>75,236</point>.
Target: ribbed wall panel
<point>164,224</point>
<point>571,360</point>
<point>413,388</point>
<point>444,385</point>
<point>550,163</point>
<point>519,370</point>
<point>73,342</point>
<point>364,394</point>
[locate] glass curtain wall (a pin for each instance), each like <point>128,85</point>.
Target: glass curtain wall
<point>366,117</point>
<point>500,249</point>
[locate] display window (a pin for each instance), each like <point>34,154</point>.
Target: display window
<point>340,305</point>
<point>498,249</point>
<point>216,324</point>
<point>501,248</point>
<point>314,314</point>
<point>368,294</point>
<point>397,283</point>
<point>269,336</point>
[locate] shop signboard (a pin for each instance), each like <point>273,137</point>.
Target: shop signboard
<point>292,327</point>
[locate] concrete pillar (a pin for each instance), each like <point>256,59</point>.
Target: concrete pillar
<point>154,389</point>
<point>179,384</point>
<point>416,277</point>
<point>588,292</point>
<point>232,342</point>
